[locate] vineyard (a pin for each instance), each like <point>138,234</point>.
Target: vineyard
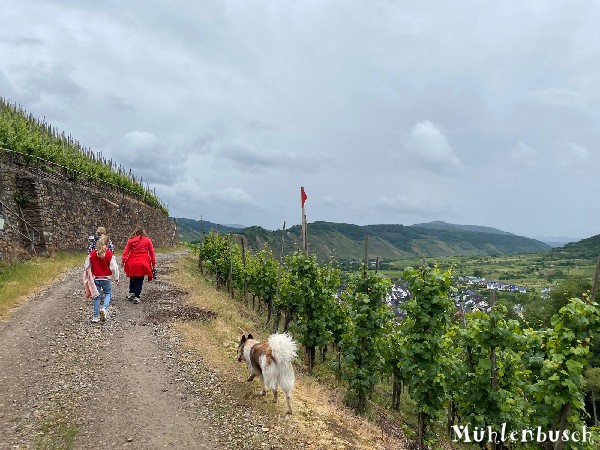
<point>41,145</point>
<point>480,378</point>
<point>447,376</point>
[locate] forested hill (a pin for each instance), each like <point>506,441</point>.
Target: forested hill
<point>439,225</point>
<point>191,230</point>
<point>346,241</point>
<point>585,248</point>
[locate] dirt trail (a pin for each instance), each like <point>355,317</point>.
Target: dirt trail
<point>68,383</point>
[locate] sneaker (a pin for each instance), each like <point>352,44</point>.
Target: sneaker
<point>136,300</point>
<point>103,315</point>
<point>95,319</point>
<point>130,296</point>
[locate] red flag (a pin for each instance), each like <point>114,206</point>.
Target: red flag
<point>303,196</point>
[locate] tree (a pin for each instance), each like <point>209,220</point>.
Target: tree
<point>538,313</point>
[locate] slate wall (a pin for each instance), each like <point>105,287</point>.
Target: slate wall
<point>46,210</point>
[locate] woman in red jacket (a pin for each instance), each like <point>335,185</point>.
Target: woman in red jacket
<point>138,261</point>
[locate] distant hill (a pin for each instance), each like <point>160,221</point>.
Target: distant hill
<point>555,241</point>
<point>190,230</point>
<point>439,225</point>
<point>234,225</point>
<point>585,249</point>
<point>346,241</point>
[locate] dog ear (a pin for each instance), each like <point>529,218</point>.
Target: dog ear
<point>250,336</point>
<point>243,338</point>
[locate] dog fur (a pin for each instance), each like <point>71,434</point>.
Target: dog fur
<point>271,362</point>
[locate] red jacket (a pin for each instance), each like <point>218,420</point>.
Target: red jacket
<point>101,266</point>
<point>138,257</point>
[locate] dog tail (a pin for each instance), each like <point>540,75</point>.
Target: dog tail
<point>284,350</point>
<point>283,347</point>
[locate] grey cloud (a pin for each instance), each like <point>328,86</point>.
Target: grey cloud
<point>257,124</point>
<point>427,147</point>
<point>214,205</point>
<point>574,157</point>
<point>119,103</point>
<point>24,41</point>
<point>248,158</point>
<point>243,156</point>
<point>234,198</point>
<point>562,98</point>
<point>6,87</point>
<point>329,201</point>
<point>434,104</point>
<point>40,79</point>
<point>149,157</point>
<point>413,205</point>
<point>523,154</point>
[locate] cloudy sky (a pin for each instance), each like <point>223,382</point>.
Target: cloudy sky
<point>470,112</point>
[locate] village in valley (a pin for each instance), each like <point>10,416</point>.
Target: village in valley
<point>467,299</point>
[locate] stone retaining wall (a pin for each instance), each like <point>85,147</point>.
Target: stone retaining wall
<point>45,211</point>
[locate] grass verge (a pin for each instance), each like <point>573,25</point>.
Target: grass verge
<point>58,434</point>
<point>20,280</point>
<point>23,279</point>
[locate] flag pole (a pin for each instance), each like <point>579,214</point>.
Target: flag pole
<point>305,234</point>
<point>303,198</point>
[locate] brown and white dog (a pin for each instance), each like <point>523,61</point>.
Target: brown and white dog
<point>272,362</point>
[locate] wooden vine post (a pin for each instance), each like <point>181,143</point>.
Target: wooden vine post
<point>595,284</point>
<point>366,253</point>
<point>230,277</point>
<point>493,349</point>
<point>277,314</point>
<point>303,198</point>
<point>362,400</point>
<point>245,271</point>
<point>201,244</point>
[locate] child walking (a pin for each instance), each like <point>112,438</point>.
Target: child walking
<point>101,231</point>
<point>138,261</point>
<point>103,266</point>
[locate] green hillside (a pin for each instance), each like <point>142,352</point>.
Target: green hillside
<point>585,248</point>
<point>440,225</point>
<point>390,242</point>
<point>439,242</point>
<point>190,230</point>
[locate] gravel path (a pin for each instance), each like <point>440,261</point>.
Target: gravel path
<point>68,383</point>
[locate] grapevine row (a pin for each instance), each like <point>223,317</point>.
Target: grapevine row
<point>482,370</point>
<point>40,143</point>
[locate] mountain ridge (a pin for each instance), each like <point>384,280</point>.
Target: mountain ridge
<point>441,225</point>
<point>191,230</point>
<point>345,241</point>
<point>588,248</point>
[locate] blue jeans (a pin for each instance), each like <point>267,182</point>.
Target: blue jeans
<point>103,286</point>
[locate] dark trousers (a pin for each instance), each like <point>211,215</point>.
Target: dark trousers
<point>135,285</point>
